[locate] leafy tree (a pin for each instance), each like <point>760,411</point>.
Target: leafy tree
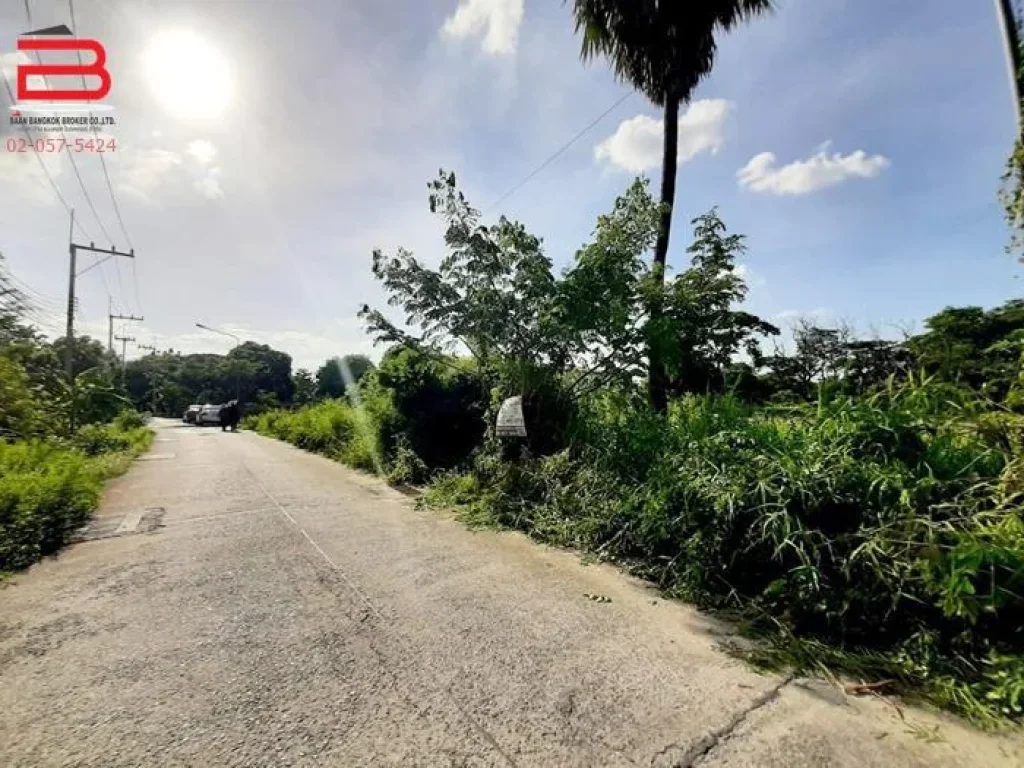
<point>433,407</point>
<point>600,305</point>
<point>305,387</point>
<point>552,339</point>
<point>330,382</point>
<point>169,382</point>
<point>663,49</point>
<point>973,346</point>
<point>88,354</point>
<point>332,376</point>
<point>20,414</point>
<point>358,366</point>
<point>701,332</point>
<point>869,362</point>
<point>261,369</point>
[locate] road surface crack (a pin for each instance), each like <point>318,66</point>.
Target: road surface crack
<point>699,751</point>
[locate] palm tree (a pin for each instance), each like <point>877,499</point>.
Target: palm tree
<point>663,48</point>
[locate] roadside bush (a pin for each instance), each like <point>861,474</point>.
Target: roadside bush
<point>433,409</point>
<point>888,529</point>
<point>332,428</point>
<point>129,419</point>
<point>48,489</point>
<point>408,418</point>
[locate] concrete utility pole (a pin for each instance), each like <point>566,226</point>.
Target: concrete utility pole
<point>124,350</point>
<point>69,352</point>
<point>111,317</point>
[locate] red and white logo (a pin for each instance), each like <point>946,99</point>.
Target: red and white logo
<point>90,71</point>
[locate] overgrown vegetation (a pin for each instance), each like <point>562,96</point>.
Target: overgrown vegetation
<point>857,501</point>
<point>49,488</point>
<point>50,475</point>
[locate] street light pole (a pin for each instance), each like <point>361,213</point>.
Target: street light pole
<point>238,343</point>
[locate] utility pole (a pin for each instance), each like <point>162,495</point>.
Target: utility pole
<point>69,353</point>
<point>1008,23</point>
<point>111,317</point>
<point>124,351</point>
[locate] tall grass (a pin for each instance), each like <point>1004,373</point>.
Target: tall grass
<point>48,489</point>
<point>332,428</point>
<point>886,529</point>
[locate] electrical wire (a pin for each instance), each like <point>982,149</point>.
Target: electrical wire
<point>106,178</point>
<point>42,165</point>
<point>67,147</point>
<point>558,153</point>
<point>74,165</point>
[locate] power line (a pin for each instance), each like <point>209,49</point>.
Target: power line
<point>103,162</point>
<point>42,165</point>
<point>46,171</point>
<point>106,178</point>
<point>558,153</point>
<point>67,147</point>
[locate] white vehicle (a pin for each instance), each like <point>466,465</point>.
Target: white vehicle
<point>208,414</point>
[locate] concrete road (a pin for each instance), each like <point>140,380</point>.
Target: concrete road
<point>240,602</point>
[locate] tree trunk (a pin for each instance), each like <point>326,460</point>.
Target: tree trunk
<point>1009,22</point>
<point>656,377</point>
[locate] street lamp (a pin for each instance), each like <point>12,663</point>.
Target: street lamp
<point>238,343</point>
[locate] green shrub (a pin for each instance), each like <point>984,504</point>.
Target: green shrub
<point>129,419</point>
<point>888,527</point>
<point>48,489</point>
<point>433,408</point>
<point>333,428</point>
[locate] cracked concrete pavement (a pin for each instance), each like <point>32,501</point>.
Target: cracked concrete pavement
<point>244,603</point>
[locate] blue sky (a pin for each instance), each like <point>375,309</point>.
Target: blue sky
<point>889,124</point>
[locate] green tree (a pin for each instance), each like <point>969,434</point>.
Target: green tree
<point>261,368</point>
<point>305,387</point>
<point>701,331</point>
<point>21,412</point>
<point>358,366</point>
<point>330,382</point>
<point>88,353</point>
<point>663,49</point>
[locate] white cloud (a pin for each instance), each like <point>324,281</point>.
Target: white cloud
<point>801,177</point>
<point>157,176</point>
<point>202,150</point>
<point>636,145</point>
<point>24,179</point>
<point>209,185</point>
<point>749,276</point>
<point>497,20</point>
<point>143,172</point>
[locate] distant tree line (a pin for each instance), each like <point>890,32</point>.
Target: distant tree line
<point>259,376</point>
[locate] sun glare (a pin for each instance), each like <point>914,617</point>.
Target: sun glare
<point>189,76</point>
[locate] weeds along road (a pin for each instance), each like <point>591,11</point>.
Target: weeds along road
<point>243,603</point>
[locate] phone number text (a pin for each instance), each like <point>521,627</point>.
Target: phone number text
<point>59,145</point>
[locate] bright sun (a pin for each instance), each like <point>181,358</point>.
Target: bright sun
<point>189,77</point>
